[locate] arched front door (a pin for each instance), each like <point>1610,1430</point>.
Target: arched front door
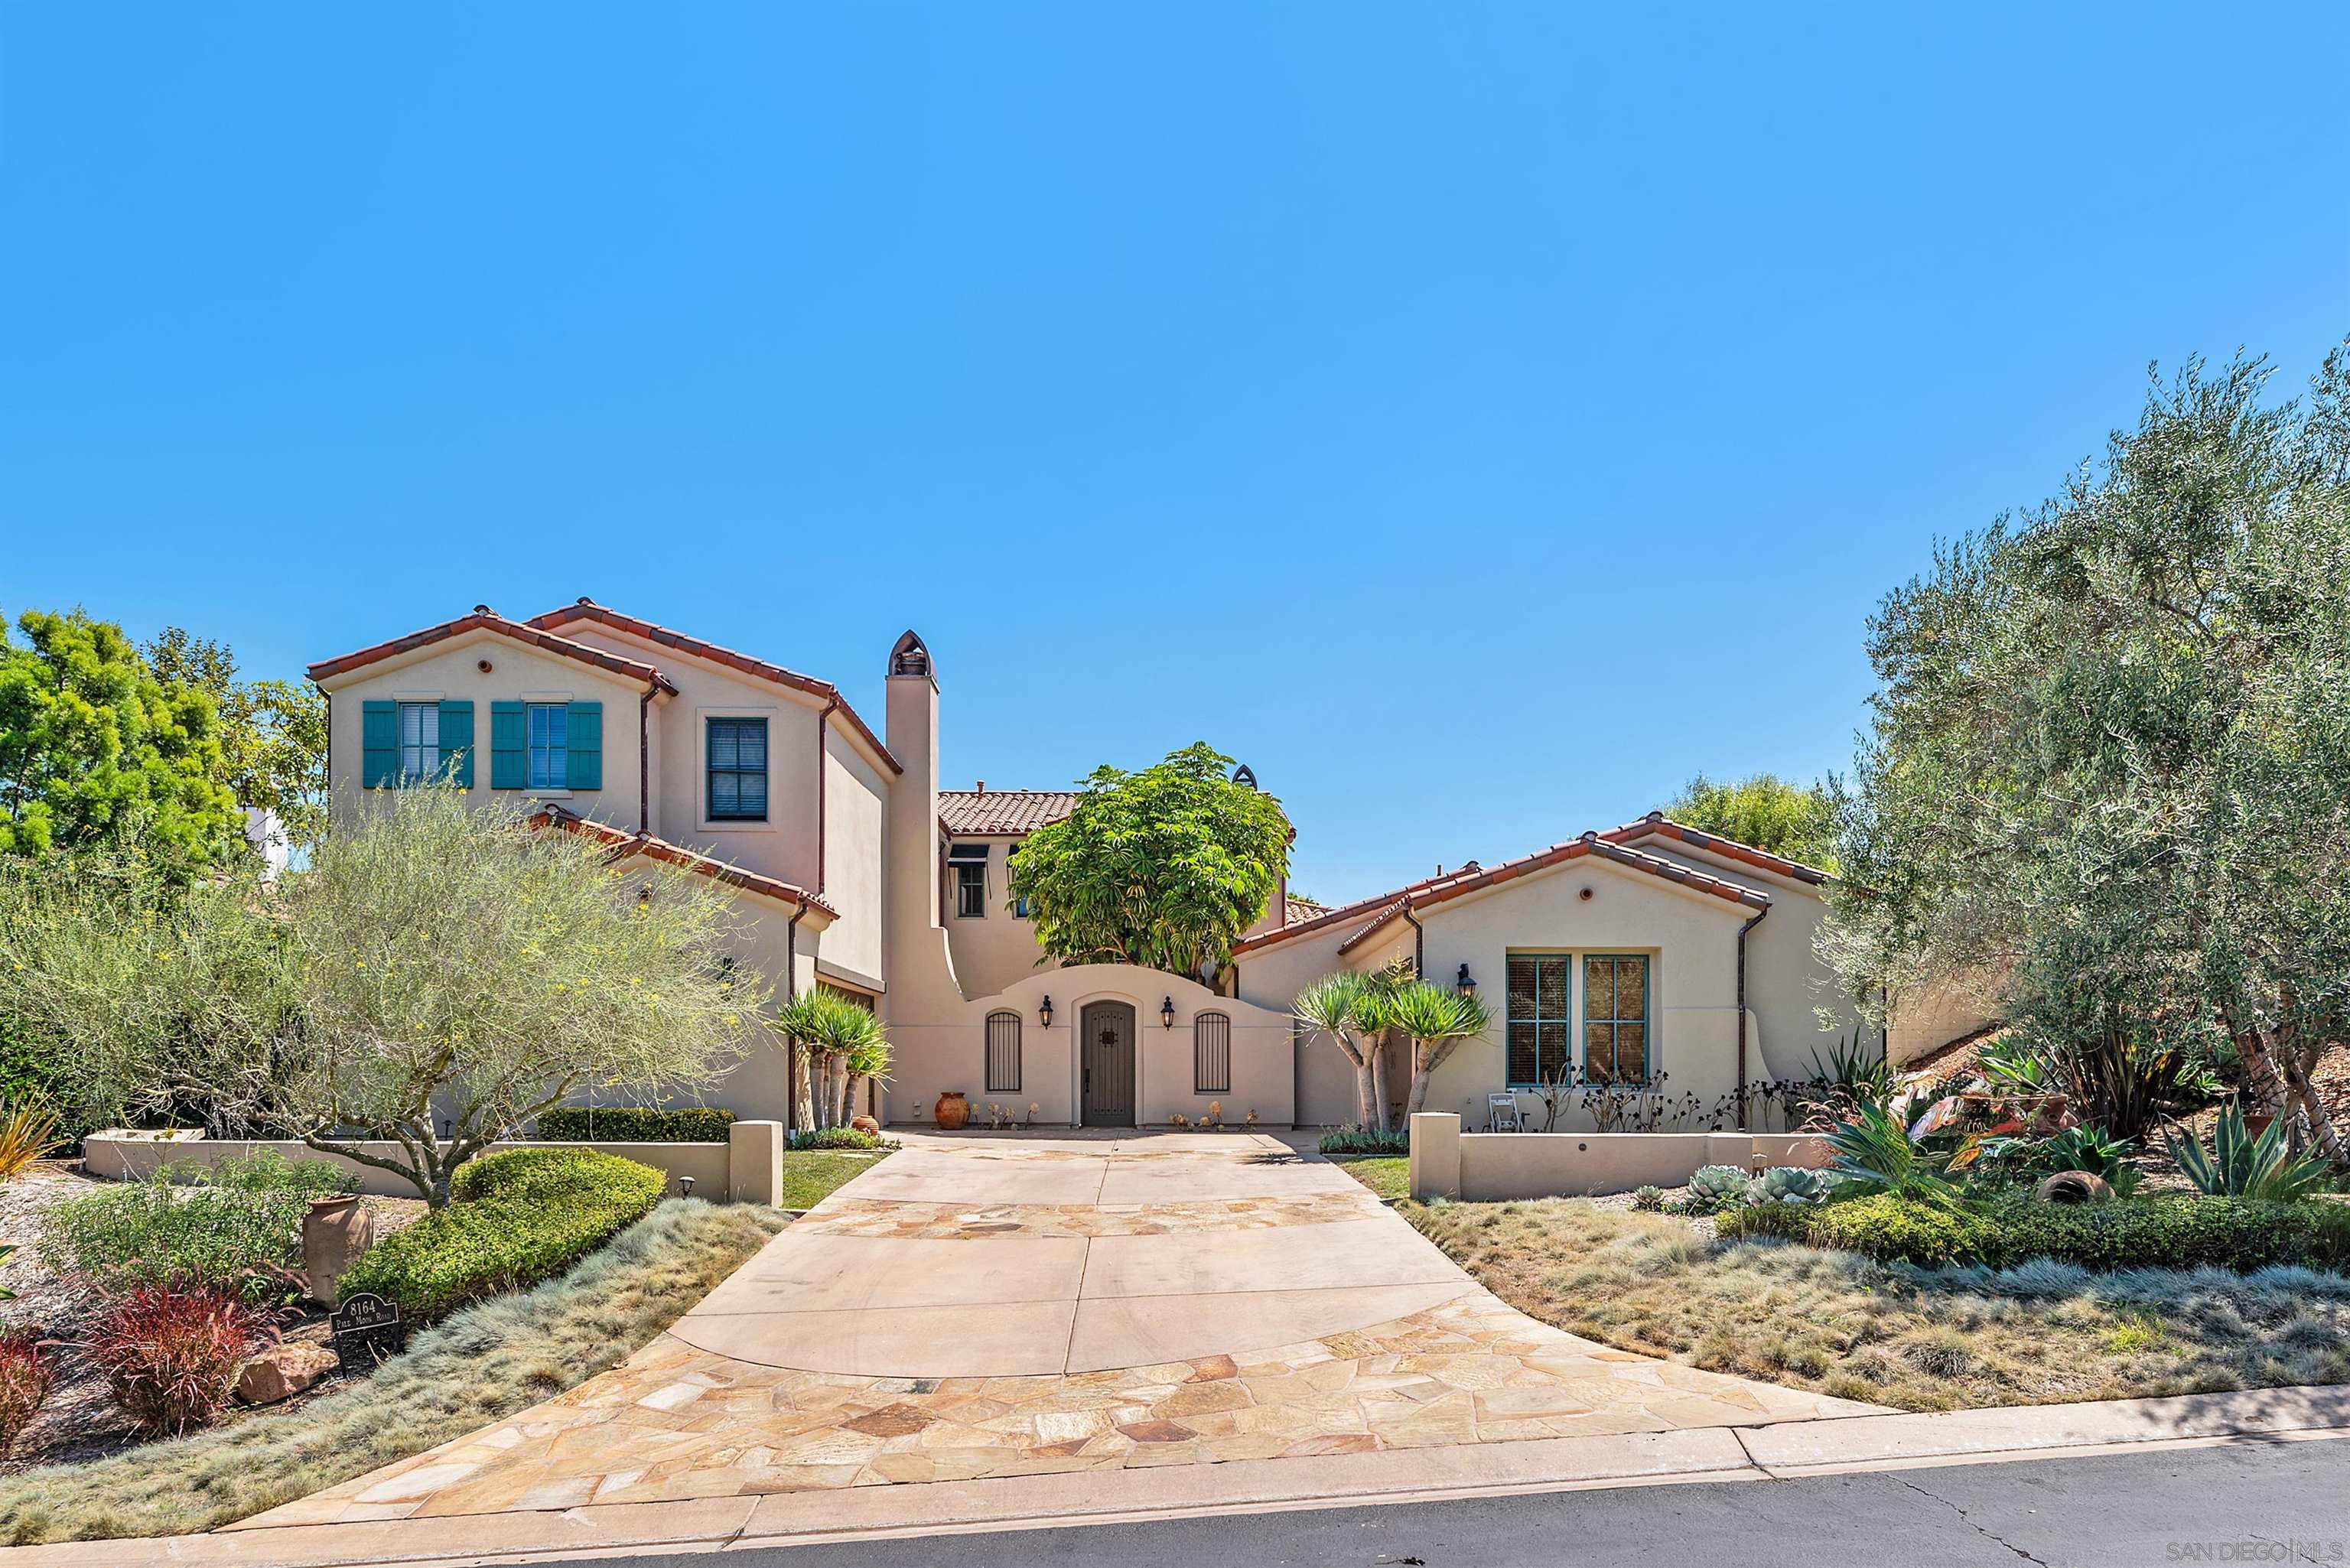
<point>1106,1063</point>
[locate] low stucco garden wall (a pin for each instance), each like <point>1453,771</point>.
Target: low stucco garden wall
<point>1492,1167</point>
<point>125,1155</point>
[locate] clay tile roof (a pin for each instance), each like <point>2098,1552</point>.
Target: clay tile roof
<point>997,812</point>
<point>483,619</point>
<point>588,610</point>
<point>1295,909</point>
<point>625,844</point>
<point>1370,914</point>
<point>1658,825</point>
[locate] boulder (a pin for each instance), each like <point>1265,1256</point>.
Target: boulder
<point>283,1371</point>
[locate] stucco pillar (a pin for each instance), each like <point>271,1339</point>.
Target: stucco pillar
<point>755,1162</point>
<point>1435,1154</point>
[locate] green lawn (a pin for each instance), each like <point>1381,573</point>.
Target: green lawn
<point>1388,1175</point>
<point>811,1174</point>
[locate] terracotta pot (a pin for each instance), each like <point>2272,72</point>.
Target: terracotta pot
<point>334,1232</point>
<point>865,1123</point>
<point>952,1111</point>
<point>2259,1122</point>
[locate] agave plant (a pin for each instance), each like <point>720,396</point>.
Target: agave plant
<point>2242,1166</point>
<point>2086,1148</point>
<point>1874,1154</point>
<point>1854,1066</point>
<point>2020,1067</point>
<point>1788,1184</point>
<point>1716,1186</point>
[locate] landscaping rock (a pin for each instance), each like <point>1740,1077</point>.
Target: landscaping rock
<point>283,1371</point>
<point>2075,1187</point>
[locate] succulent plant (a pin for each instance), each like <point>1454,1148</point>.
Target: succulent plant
<point>1648,1200</point>
<point>1716,1186</point>
<point>1788,1184</point>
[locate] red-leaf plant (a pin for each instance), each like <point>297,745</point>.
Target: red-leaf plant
<point>25,1373</point>
<point>171,1351</point>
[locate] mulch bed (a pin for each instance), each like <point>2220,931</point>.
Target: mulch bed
<point>78,1420</point>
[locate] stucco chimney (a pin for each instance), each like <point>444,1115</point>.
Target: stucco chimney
<point>913,853</point>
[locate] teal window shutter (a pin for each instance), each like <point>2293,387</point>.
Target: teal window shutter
<point>585,737</point>
<point>378,744</point>
<point>509,757</point>
<point>457,741</point>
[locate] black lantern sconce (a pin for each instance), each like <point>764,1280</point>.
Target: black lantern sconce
<point>1167,1013</point>
<point>1045,1011</point>
<point>686,1183</point>
<point>1464,985</point>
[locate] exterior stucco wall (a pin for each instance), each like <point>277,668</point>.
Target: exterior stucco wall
<point>856,807</point>
<point>1926,1017</point>
<point>1272,980</point>
<point>784,846</point>
<point>1786,983</point>
<point>945,1049</point>
<point>998,949</point>
<point>450,671</point>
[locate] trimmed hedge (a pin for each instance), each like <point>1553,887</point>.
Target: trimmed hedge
<point>514,1218</point>
<point>833,1138</point>
<point>635,1124</point>
<point>2170,1231</point>
<point>1358,1141</point>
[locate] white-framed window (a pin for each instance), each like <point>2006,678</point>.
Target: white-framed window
<point>420,742</point>
<point>550,762</point>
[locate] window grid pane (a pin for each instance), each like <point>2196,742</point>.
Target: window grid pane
<point>1615,1018</point>
<point>549,756</point>
<point>1539,1030</point>
<point>736,761</point>
<point>419,740</point>
<point>971,892</point>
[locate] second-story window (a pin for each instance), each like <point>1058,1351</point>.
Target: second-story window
<point>1019,906</point>
<point>969,863</point>
<point>550,756</point>
<point>738,770</point>
<point>420,742</point>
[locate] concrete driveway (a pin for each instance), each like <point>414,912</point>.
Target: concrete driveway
<point>980,1307</point>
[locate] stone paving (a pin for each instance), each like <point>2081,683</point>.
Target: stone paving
<point>678,1421</point>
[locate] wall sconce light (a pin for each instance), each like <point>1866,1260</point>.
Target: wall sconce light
<point>1045,1011</point>
<point>1464,985</point>
<point>1167,1013</point>
<point>687,1183</point>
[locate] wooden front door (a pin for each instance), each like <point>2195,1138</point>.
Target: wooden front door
<point>1106,1059</point>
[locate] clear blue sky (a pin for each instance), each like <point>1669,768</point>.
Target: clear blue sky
<point>1478,419</point>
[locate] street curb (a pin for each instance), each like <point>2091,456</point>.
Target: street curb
<point>1705,1454</point>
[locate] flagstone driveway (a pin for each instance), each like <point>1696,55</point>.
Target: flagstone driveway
<point>978,1306</point>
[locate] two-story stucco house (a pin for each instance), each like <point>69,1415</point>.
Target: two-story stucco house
<point>1647,948</point>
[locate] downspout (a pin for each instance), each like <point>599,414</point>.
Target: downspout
<point>823,740</point>
<point>1418,945</point>
<point>792,994</point>
<point>1741,1014</point>
<point>645,762</point>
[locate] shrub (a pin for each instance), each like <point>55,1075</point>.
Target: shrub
<point>1716,1186</point>
<point>24,1374</point>
<point>28,1129</point>
<point>516,1217</point>
<point>635,1124</point>
<point>171,1351</point>
<point>1362,1140</point>
<point>1874,1153</point>
<point>235,1225</point>
<point>835,1138</point>
<point>2239,1234</point>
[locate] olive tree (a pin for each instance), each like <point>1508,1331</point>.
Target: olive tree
<point>2109,750</point>
<point>455,967</point>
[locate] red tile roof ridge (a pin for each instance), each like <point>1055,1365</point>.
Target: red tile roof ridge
<point>625,842</point>
<point>747,664</point>
<point>483,619</point>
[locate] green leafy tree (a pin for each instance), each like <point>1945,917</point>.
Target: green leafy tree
<point>95,748</point>
<point>273,732</point>
<point>2109,753</point>
<point>1164,868</point>
<point>1765,810</point>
